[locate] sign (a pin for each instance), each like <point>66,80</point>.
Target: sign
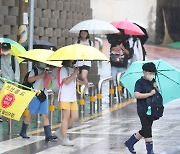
<point>14,100</point>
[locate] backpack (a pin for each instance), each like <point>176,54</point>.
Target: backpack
<point>78,41</point>
<point>26,82</point>
<point>12,63</point>
<point>155,103</point>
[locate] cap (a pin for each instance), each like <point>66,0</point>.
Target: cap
<point>6,46</point>
<point>149,67</point>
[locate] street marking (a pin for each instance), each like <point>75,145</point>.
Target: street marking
<point>18,142</point>
<point>80,143</point>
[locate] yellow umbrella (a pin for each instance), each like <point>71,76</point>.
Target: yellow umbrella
<point>78,52</point>
<point>40,55</point>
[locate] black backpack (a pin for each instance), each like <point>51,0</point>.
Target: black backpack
<point>155,102</point>
<point>26,82</point>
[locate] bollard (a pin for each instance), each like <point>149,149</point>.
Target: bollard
<point>92,99</point>
<point>81,105</point>
<point>111,92</point>
<point>10,126</point>
<point>99,92</point>
<point>119,87</point>
<point>51,106</point>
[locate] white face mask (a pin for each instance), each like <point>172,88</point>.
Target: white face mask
<point>5,53</point>
<point>150,77</point>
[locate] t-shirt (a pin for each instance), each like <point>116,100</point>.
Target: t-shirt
<point>67,93</point>
<point>87,63</point>
<point>139,87</point>
<point>7,71</point>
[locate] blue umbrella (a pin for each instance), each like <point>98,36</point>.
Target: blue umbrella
<point>167,78</point>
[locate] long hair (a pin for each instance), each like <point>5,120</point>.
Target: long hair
<point>79,37</point>
<point>66,63</point>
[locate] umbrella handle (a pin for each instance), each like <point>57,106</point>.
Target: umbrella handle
<point>82,89</point>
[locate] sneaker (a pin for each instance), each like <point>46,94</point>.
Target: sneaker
<point>51,138</point>
<point>66,142</point>
<point>58,134</point>
<point>1,120</point>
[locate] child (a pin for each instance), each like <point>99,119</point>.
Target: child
<point>67,99</point>
<point>141,94</point>
<point>36,105</point>
<point>84,66</point>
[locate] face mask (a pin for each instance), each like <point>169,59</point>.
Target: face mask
<point>150,77</point>
<point>42,65</point>
<point>5,53</point>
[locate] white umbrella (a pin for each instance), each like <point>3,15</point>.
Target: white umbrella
<point>94,26</point>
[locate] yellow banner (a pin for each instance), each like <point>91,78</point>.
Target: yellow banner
<point>13,101</point>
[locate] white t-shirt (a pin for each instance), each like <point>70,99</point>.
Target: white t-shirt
<point>87,63</point>
<point>67,93</point>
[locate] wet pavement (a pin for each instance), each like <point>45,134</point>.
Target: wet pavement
<point>105,132</point>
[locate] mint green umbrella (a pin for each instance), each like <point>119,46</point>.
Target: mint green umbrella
<point>16,48</point>
<point>167,78</point>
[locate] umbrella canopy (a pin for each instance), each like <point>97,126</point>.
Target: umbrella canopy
<point>78,52</point>
<point>40,55</point>
<point>16,48</point>
<point>94,26</point>
<point>128,27</point>
<point>40,44</point>
<point>167,78</point>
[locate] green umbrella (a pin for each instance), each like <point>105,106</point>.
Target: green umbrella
<point>16,48</point>
<point>167,78</point>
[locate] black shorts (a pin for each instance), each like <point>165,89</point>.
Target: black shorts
<point>84,67</point>
<point>146,123</point>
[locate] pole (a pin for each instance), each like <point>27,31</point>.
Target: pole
<point>31,30</point>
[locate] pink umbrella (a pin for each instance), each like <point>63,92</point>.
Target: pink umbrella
<point>128,27</point>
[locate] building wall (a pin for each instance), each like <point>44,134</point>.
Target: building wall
<point>52,21</point>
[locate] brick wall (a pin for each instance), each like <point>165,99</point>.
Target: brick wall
<point>52,21</point>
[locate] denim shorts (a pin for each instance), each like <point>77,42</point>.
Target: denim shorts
<point>35,106</point>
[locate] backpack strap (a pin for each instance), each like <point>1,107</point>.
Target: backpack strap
<point>13,63</point>
<point>35,70</point>
<point>89,42</point>
<point>58,75</point>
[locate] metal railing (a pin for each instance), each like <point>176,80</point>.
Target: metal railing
<point>99,92</point>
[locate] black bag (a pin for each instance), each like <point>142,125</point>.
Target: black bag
<point>156,104</point>
<point>42,96</point>
<point>118,60</point>
<point>26,82</point>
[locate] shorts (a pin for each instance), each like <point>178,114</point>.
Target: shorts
<point>35,106</point>
<point>68,106</point>
<point>84,67</point>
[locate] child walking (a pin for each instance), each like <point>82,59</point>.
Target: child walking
<point>67,100</point>
<point>36,105</point>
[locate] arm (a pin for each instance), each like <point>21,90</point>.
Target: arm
<point>139,95</point>
<point>71,77</point>
<point>34,78</point>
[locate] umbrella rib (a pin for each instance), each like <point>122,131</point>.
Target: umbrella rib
<point>168,78</point>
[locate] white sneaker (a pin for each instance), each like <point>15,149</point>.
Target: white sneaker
<point>58,134</point>
<point>66,142</point>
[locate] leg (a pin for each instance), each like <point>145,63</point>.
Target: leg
<point>47,129</point>
<point>25,125</point>
<point>65,122</point>
<point>131,141</point>
<point>84,74</point>
<point>73,118</point>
